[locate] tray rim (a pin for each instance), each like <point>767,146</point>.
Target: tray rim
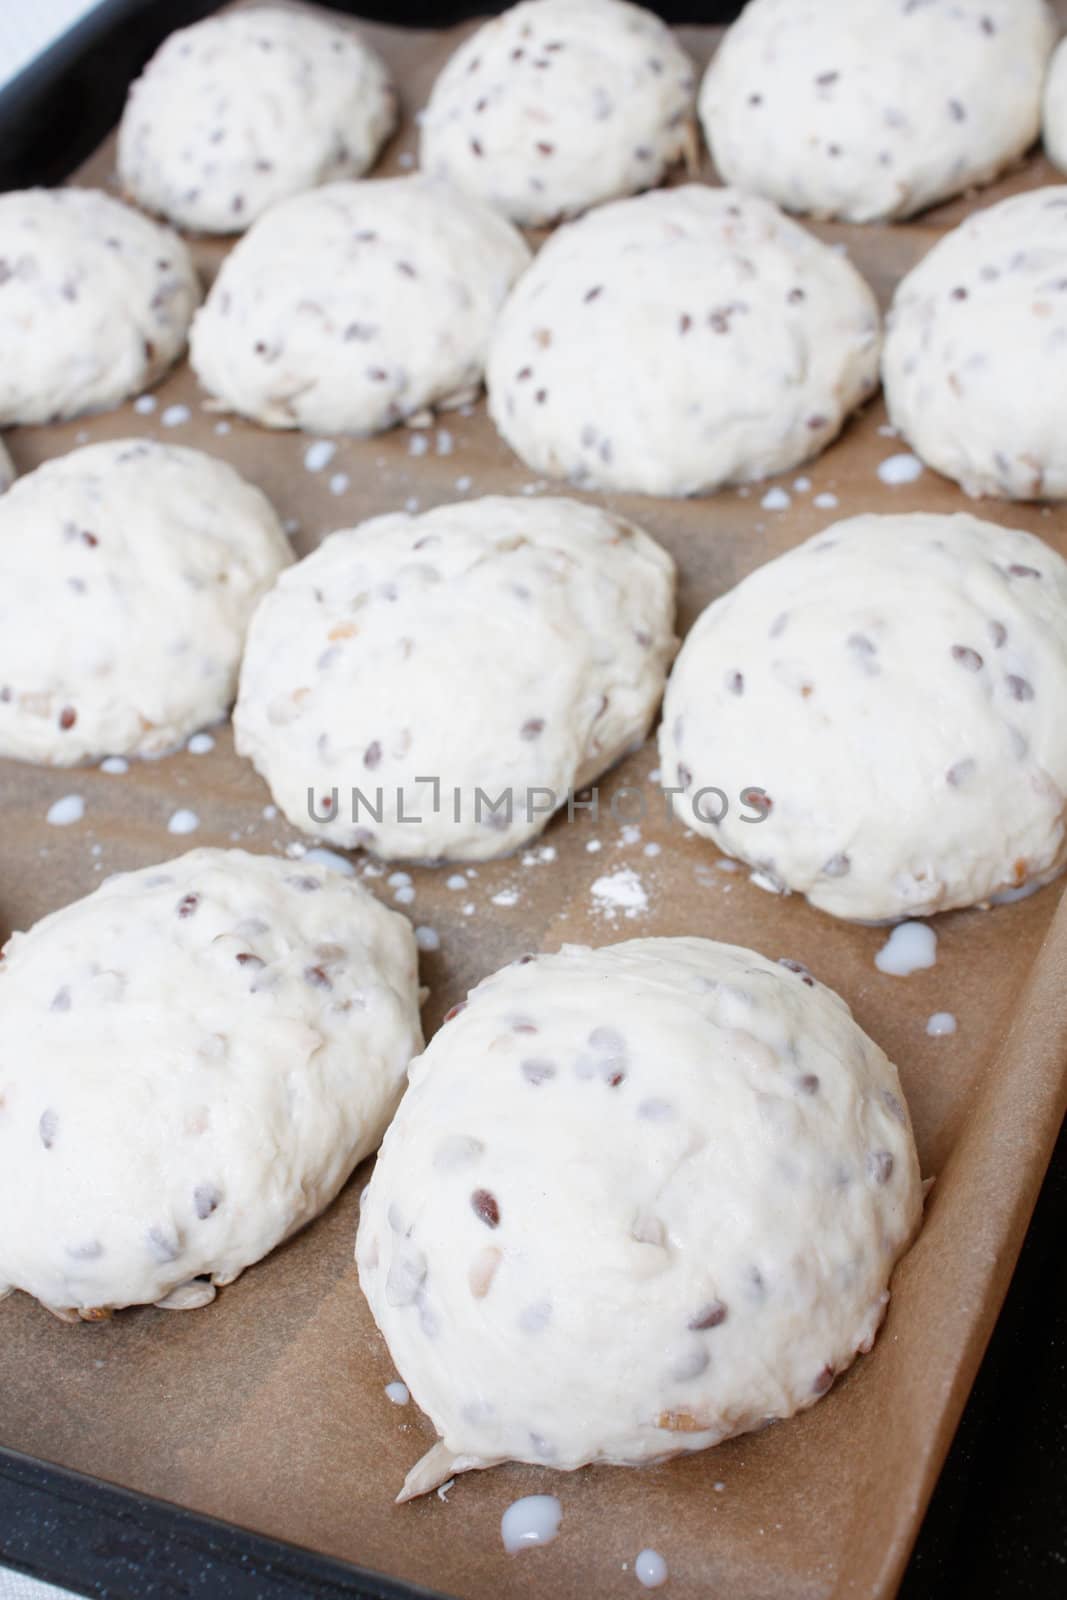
<point>95,1517</point>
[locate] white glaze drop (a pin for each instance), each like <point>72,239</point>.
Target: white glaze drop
<point>183,822</point>
<point>319,454</point>
<point>911,947</point>
<point>61,813</point>
<point>903,468</point>
<point>650,1569</point>
<point>534,1519</point>
<point>398,1393</point>
<point>776,500</point>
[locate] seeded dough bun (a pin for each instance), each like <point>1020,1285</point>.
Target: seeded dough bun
<point>128,574</point>
<point>895,688</point>
<point>245,109</point>
<point>975,360</point>
<point>557,105</point>
<point>872,109</point>
<point>95,302</point>
<point>355,305</point>
<point>634,1201</point>
<point>192,1061</point>
<point>496,647</point>
<point>678,342</point>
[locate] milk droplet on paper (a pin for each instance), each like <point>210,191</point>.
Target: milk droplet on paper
<point>61,813</point>
<point>427,938</point>
<point>398,1393</point>
<point>825,501</point>
<point>940,1023</point>
<point>650,1569</point>
<point>174,416</point>
<point>200,744</point>
<point>911,947</point>
<point>145,404</point>
<point>904,468</point>
<point>339,483</point>
<point>534,1519</point>
<point>319,454</point>
<point>456,881</point>
<point>115,765</point>
<point>506,897</point>
<point>183,822</point>
<point>776,500</point>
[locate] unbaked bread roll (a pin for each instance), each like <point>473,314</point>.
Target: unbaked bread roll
<point>1055,108</point>
<point>436,685</point>
<point>245,109</point>
<point>128,574</point>
<point>975,359</point>
<point>680,341</point>
<point>351,307</point>
<point>95,302</point>
<point>872,109</point>
<point>557,105</point>
<point>192,1061</point>
<point>634,1201</point>
<point>891,696</point>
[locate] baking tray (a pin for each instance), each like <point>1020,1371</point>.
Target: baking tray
<point>268,1410</point>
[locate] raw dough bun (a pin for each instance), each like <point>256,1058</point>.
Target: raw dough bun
<point>896,687</point>
<point>975,361</point>
<point>1055,118</point>
<point>634,1201</point>
<point>192,1061</point>
<point>357,304</point>
<point>243,110</point>
<point>128,574</point>
<point>95,302</point>
<point>7,469</point>
<point>559,104</point>
<point>872,109</point>
<point>681,341</point>
<point>502,645</point>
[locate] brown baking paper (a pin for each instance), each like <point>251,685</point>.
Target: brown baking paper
<point>269,1408</point>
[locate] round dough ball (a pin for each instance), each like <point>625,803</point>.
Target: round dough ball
<point>245,109</point>
<point>128,574</point>
<point>95,302</point>
<point>872,109</point>
<point>894,687</point>
<point>559,104</point>
<point>355,305</point>
<point>192,1061</point>
<point>635,1200</point>
<point>1055,110</point>
<point>975,360</point>
<point>671,344</point>
<point>412,671</point>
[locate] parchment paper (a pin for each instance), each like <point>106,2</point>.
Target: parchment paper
<point>269,1407</point>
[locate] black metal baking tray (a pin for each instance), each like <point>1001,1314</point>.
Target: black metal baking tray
<point>997,1525</point>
